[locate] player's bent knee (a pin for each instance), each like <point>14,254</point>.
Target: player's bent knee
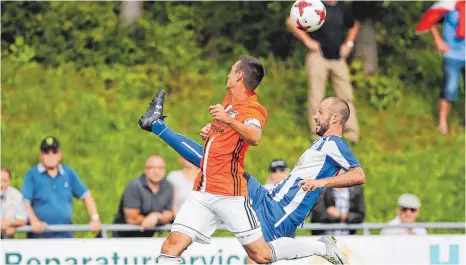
<point>260,258</point>
<point>175,244</point>
<point>250,261</point>
<point>261,254</point>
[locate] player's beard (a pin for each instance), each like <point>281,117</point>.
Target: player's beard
<point>322,127</point>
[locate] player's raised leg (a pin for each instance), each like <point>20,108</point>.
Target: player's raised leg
<point>152,121</point>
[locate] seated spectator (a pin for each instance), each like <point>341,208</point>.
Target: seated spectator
<point>182,181</point>
<point>48,190</point>
<point>407,212</point>
<point>147,201</point>
<point>278,171</point>
<point>340,205</point>
<point>12,213</point>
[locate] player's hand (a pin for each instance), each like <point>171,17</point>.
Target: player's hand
<point>205,131</point>
<point>345,50</point>
<point>442,47</point>
<point>343,217</point>
<point>5,224</point>
<point>218,113</point>
<point>94,225</point>
<point>10,231</point>
<point>313,46</point>
<point>150,221</point>
<point>38,226</point>
<point>311,184</point>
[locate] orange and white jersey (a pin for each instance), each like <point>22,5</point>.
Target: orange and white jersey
<point>222,165</point>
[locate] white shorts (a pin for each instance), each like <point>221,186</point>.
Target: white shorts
<point>202,212</point>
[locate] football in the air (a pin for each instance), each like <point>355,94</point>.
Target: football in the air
<point>308,15</point>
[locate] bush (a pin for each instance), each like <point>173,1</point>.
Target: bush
<point>379,90</point>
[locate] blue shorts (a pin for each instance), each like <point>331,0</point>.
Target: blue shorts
<point>452,70</point>
<point>269,212</point>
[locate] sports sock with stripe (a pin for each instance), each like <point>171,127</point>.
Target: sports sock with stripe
<point>293,248</point>
<point>184,146</point>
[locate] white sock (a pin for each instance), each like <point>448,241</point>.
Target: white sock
<point>291,248</point>
<point>168,260</point>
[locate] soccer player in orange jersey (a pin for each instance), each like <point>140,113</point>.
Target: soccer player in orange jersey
<point>220,192</point>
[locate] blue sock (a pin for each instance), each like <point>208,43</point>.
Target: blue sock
<point>184,146</point>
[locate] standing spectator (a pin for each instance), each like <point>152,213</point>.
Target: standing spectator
<point>451,46</point>
<point>367,13</point>
<point>407,212</point>
<point>131,11</point>
<point>12,211</point>
<point>183,182</point>
<point>328,50</point>
<point>48,190</point>
<point>147,200</point>
<point>340,205</point>
<point>278,171</point>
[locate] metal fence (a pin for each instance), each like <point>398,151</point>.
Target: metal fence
<point>366,227</point>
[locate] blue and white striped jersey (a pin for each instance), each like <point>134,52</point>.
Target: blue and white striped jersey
<point>323,159</point>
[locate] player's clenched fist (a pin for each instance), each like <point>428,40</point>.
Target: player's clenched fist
<point>311,184</point>
<point>218,113</point>
<point>205,131</point>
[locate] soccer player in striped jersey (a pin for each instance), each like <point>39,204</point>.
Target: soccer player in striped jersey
<point>283,209</point>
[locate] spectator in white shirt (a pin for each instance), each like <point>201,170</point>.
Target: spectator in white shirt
<point>407,212</point>
<point>12,212</point>
<point>183,181</point>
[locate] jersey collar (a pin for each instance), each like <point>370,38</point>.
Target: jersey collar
<point>42,169</point>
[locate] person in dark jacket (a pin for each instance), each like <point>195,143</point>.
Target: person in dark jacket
<point>339,205</point>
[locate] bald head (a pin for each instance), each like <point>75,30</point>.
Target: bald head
<point>154,160</point>
<point>339,107</point>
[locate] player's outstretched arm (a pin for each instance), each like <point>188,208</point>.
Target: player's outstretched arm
<point>354,176</point>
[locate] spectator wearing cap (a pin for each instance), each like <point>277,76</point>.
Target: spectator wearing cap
<point>278,170</point>
<point>147,200</point>
<point>407,212</point>
<point>12,211</point>
<point>48,191</point>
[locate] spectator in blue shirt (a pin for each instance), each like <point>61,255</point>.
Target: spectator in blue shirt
<point>48,191</point>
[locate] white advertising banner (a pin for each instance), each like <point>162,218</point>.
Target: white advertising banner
<point>363,250</point>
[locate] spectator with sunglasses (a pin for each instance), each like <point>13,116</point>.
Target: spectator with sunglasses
<point>407,212</point>
<point>48,191</point>
<point>278,171</point>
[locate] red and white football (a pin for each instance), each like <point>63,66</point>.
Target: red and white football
<point>308,15</point>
